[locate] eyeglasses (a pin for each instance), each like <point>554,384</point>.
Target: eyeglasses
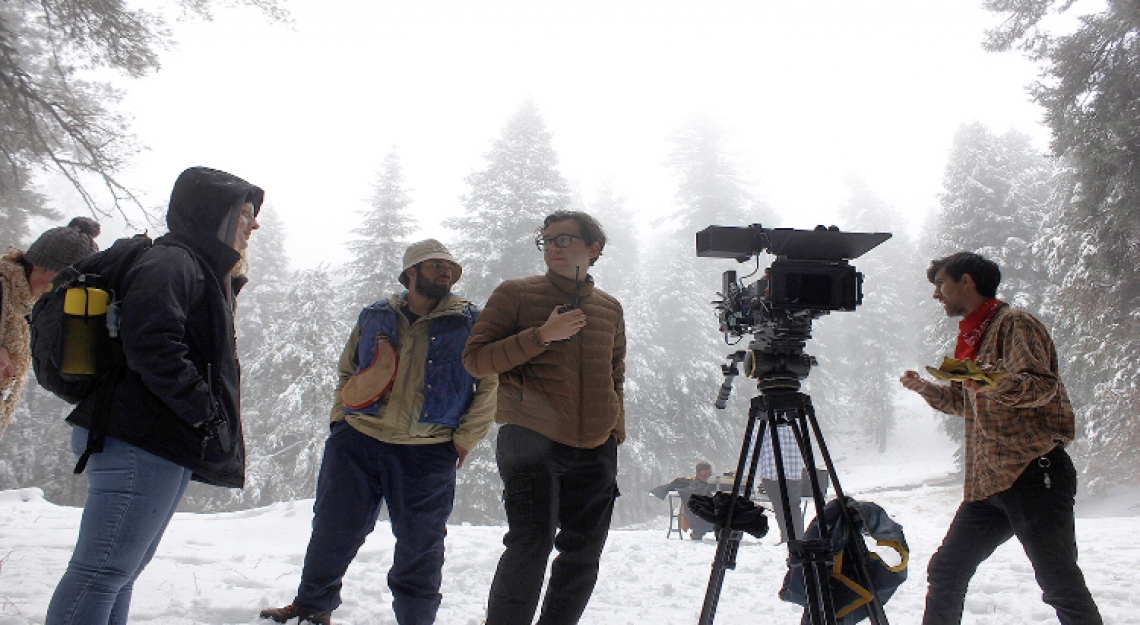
<point>440,265</point>
<point>560,241</point>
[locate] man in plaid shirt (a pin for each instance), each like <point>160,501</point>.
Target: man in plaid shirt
<point>1019,480</point>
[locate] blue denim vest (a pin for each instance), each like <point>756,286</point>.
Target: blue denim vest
<point>448,388</point>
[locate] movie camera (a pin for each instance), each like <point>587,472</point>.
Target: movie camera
<point>810,277</point>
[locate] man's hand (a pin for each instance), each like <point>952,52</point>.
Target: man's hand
<point>462,455</point>
<point>975,387</point>
<point>7,369</point>
<point>913,382</point>
<point>561,326</point>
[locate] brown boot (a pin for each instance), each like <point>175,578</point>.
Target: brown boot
<point>282,615</point>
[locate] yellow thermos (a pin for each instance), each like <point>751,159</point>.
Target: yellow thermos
<point>84,330</point>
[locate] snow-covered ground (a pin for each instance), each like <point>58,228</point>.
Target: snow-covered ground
<point>223,568</point>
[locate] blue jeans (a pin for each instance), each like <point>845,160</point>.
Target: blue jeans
<point>555,496</point>
<point>358,474</point>
<point>1041,516</point>
<point>131,496</point>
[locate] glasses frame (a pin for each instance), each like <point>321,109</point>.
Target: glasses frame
<point>542,241</point>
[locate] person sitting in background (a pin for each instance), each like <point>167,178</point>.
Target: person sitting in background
<point>24,276</point>
<point>687,487</point>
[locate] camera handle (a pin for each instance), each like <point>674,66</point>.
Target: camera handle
<point>731,370</point>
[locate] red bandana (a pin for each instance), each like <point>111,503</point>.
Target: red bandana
<point>973,327</point>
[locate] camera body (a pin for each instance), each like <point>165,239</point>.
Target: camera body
<point>810,277</point>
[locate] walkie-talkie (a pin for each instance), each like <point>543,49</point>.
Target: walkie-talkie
<point>573,301</point>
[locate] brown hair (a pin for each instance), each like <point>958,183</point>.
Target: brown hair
<point>589,227</point>
<point>985,272</point>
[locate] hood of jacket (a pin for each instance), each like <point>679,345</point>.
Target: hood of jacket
<point>203,214</point>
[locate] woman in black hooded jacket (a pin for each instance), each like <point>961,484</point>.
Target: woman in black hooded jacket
<point>174,415</point>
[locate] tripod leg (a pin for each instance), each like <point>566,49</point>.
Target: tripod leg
<point>728,539</point>
<point>856,548</point>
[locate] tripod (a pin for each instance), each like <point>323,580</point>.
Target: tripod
<point>781,403</point>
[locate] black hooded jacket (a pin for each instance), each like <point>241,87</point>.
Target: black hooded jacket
<point>179,398</point>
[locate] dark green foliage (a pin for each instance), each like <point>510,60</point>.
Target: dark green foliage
<point>1090,90</point>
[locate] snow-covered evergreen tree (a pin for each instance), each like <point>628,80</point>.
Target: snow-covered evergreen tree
<point>509,198</point>
<point>997,190</point>
<point>36,448</point>
<point>286,420</point>
<point>1096,324</point>
<point>678,369</point>
<point>380,241</point>
<point>862,353</point>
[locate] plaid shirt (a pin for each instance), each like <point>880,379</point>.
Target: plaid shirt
<point>789,451</point>
<point>1022,417</point>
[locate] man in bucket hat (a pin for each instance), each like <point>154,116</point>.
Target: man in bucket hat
<point>405,414</point>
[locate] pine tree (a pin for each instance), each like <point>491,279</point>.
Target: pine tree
<point>378,249</point>
<point>286,423</point>
<point>861,354</point>
<point>36,449</point>
<point>1089,92</point>
<point>677,372</point>
<point>262,298</point>
<point>1096,324</point>
<point>52,120</point>
<point>509,198</point>
<point>997,190</point>
<point>19,204</point>
<point>996,195</point>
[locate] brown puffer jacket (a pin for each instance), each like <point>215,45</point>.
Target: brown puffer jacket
<point>569,391</point>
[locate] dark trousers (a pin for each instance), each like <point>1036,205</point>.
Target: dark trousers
<point>1042,519</point>
<point>555,497</point>
<point>358,473</point>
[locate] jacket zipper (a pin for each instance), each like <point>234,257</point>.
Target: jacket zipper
<point>211,421</point>
<point>581,390</point>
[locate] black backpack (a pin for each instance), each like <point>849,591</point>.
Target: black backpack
<point>75,346</point>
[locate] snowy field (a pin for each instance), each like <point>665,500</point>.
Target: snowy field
<point>223,568</point>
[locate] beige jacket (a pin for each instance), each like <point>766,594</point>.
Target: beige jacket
<point>571,391</point>
<point>398,419</point>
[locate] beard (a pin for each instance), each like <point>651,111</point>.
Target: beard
<point>430,289</point>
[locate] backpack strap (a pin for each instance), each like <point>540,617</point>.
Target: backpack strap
<point>101,416</point>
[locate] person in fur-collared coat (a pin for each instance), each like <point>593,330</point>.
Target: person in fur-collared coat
<point>24,276</point>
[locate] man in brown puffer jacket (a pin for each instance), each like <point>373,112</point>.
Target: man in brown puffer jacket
<point>561,370</point>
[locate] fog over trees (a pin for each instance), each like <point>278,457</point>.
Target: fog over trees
<point>1062,225</point>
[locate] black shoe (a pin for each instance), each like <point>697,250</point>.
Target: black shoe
<point>282,615</point>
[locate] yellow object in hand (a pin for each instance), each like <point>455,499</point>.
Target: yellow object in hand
<point>962,370</point>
